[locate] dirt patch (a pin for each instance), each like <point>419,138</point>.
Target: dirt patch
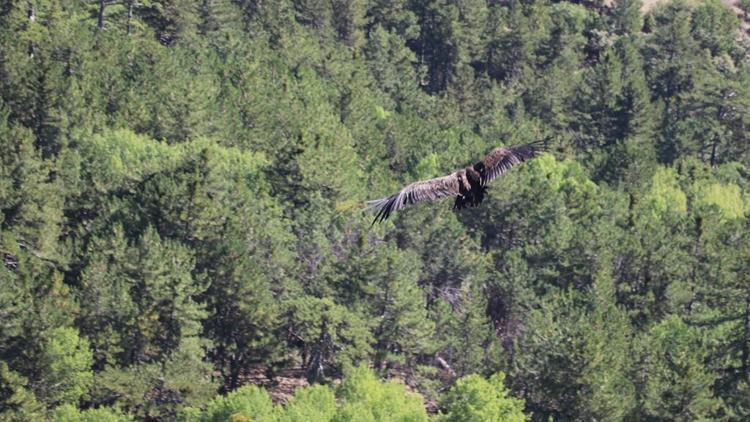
<point>283,385</point>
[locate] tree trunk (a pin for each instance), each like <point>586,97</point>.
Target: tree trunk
<point>234,374</point>
<point>100,17</point>
<point>745,339</point>
<point>131,4</point>
<point>713,153</point>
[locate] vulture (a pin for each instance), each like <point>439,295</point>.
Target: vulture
<point>468,185</point>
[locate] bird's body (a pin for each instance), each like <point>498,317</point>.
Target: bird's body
<point>469,184</point>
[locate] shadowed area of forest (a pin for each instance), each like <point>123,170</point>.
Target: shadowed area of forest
<point>182,235</point>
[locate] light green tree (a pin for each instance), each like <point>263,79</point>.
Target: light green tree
<point>366,398</point>
<point>316,402</point>
<point>66,362</point>
<point>474,398</point>
<point>246,403</point>
<point>69,413</point>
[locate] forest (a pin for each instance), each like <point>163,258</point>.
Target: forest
<point>182,235</point>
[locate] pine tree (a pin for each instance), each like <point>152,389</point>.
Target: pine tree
<point>394,16</point>
<point>715,26</point>
<point>36,60</point>
<point>107,308</point>
<point>140,301</point>
<point>715,297</point>
<point>609,391</point>
<point>218,17</point>
<point>437,46</point>
<point>510,44</point>
<point>677,385</point>
<point>158,390</point>
<point>626,17</point>
<point>390,63</point>
<point>316,13</point>
<point>707,117</point>
<point>171,20</point>
<point>17,403</point>
<point>554,350</point>
<point>64,368</point>
<point>650,262</point>
<point>383,283</point>
<point>348,19</point>
<point>671,51</point>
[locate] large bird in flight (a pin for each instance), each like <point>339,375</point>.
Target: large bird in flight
<point>468,185</point>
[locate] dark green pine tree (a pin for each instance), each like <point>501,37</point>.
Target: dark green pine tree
<point>31,69</point>
<point>715,27</point>
<point>707,120</point>
<point>454,277</point>
<point>273,20</point>
<point>382,284</point>
<point>716,299</point>
<point>596,125</point>
<point>348,19</point>
<point>671,52</point>
<point>553,349</point>
<point>108,311</point>
<point>218,17</point>
<point>223,209</point>
<point>33,297</point>
<point>579,347</point>
<point>171,20</point>
<point>467,340</point>
<point>633,156</point>
<point>608,390</point>
<point>671,58</point>
<point>245,313</point>
<point>677,385</point>
<point>17,403</point>
<point>315,13</point>
<point>165,295</point>
<point>391,64</point>
<point>650,262</point>
<point>614,117</point>
<point>394,16</point>
<point>329,336</point>
<point>510,45</point>
<point>437,47</point>
<point>626,17</point>
<point>138,301</point>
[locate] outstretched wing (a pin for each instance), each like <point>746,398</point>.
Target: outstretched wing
<point>426,190</point>
<point>500,160</point>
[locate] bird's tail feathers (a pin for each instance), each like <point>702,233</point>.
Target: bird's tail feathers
<point>382,208</point>
<point>375,205</point>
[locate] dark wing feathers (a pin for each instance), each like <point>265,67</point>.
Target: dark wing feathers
<point>426,190</point>
<point>500,160</point>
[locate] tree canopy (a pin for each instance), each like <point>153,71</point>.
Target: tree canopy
<point>182,186</point>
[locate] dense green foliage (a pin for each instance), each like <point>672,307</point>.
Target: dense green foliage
<point>181,194</point>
